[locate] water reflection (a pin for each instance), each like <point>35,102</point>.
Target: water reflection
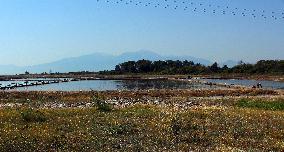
<point>102,85</point>
<point>158,84</point>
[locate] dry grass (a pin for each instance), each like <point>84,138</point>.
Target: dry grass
<point>143,127</point>
<point>253,123</point>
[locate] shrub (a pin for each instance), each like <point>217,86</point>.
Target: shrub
<point>261,104</point>
<point>175,125</point>
<point>30,115</point>
<point>101,104</point>
<point>123,129</point>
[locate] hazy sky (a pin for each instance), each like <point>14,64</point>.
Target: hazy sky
<point>39,31</point>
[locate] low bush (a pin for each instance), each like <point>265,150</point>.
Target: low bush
<point>30,115</point>
<point>101,104</point>
<point>262,104</point>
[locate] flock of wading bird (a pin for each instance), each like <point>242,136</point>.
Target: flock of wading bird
<point>199,7</point>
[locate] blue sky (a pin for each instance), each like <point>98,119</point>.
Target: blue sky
<point>40,31</point>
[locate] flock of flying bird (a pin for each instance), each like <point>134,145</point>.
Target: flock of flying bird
<point>202,8</point>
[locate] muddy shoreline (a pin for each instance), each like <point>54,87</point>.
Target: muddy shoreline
<point>183,98</point>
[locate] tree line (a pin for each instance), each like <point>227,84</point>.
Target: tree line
<point>189,67</point>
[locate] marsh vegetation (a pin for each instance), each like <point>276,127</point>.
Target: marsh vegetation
<point>149,120</point>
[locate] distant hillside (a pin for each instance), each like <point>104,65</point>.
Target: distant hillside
<point>95,62</point>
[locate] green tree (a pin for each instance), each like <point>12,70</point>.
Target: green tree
<point>144,66</point>
<point>214,67</point>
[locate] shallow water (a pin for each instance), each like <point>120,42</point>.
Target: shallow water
<point>249,83</point>
<point>102,85</point>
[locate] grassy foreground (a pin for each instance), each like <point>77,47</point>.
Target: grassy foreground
<point>247,124</point>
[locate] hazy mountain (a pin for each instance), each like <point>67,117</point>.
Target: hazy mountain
<point>190,58</point>
<point>92,62</point>
<point>10,69</point>
<point>139,55</point>
<point>155,56</point>
<point>95,62</point>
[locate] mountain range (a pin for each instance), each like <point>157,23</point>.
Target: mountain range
<point>96,62</point>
